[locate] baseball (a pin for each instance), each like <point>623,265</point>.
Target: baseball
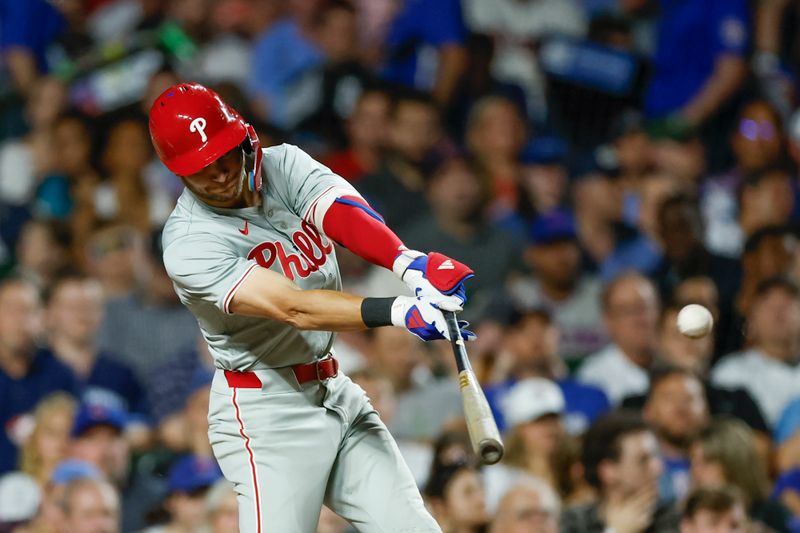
<point>695,321</point>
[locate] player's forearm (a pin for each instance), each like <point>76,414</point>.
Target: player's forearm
<point>325,311</point>
<point>303,309</point>
<point>728,76</point>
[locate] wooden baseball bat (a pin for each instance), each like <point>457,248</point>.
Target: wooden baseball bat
<point>482,427</point>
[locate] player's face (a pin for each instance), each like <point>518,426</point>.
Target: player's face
<point>221,183</point>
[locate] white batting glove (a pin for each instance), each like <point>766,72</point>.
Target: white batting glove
<point>422,317</point>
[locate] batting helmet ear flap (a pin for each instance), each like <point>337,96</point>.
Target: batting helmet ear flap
<point>252,154</point>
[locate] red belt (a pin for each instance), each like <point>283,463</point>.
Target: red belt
<point>319,370</point>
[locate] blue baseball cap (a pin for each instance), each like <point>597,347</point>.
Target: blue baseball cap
<point>193,472</point>
<point>552,227</point>
<point>91,415</point>
<point>72,469</point>
<point>544,151</point>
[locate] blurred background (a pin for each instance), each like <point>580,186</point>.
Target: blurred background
<point>599,163</point>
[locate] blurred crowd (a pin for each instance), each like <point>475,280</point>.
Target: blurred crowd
<point>599,163</point>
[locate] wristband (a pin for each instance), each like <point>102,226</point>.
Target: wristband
<point>377,312</point>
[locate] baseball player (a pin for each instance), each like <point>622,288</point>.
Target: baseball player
<point>249,250</point>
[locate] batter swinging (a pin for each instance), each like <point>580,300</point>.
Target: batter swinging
<point>256,266</point>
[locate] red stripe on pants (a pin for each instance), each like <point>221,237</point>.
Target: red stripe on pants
<point>252,460</point>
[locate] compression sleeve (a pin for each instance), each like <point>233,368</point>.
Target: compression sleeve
<point>351,222</point>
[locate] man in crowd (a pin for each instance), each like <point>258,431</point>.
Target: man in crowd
<point>630,310</point>
<point>768,369</point>
<point>27,374</point>
<point>530,348</point>
<point>621,461</point>
<point>74,313</point>
<point>721,510</point>
<point>91,506</point>
<point>676,409</point>
<point>530,505</point>
<point>560,286</point>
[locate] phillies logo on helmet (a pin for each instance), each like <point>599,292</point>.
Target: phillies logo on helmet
<point>198,125</point>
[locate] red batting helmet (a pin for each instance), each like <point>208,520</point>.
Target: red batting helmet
<point>191,127</point>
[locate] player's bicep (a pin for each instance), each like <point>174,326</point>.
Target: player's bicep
<point>264,293</point>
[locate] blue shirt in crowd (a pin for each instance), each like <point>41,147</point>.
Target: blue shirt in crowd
<point>281,55</point>
<point>584,403</point>
<point>31,24</point>
<point>418,30</point>
<point>20,396</point>
<point>692,35</point>
<point>113,383</point>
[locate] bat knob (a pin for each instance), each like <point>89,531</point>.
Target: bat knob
<point>490,451</point>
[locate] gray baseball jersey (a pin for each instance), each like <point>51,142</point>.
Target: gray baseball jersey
<point>209,251</point>
<point>287,447</point>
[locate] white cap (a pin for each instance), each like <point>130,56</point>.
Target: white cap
<point>531,399</point>
<point>20,497</point>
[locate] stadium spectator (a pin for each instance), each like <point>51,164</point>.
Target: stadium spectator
<point>48,444</point>
<point>169,387</point>
<point>21,497</point>
<point>527,506</point>
<point>544,177</point>
<point>113,255</point>
<point>533,410</point>
<point>766,199</point>
<point>190,480</point>
<point>693,356</point>
<point>679,153</point>
<point>699,61</point>
<point>98,439</point>
<point>676,409</point>
<point>724,454</point>
<point>757,144</point>
<point>50,516</point>
<point>147,326</point>
<point>495,136</point>
<point>91,506</point>
<point>456,498</point>
<point>630,311</point>
<point>366,128</point>
<point>720,509</point>
<point>685,255</point>
<point>530,348</point>
<point>73,175</point>
<point>283,51</point>
<point>326,95</point>
<point>123,197</point>
<point>25,48</point>
<point>519,29</point>
<point>620,457</point>
<point>25,160</point>
<point>458,228</point>
<point>397,189</point>
<point>27,374</point>
<point>43,251</point>
<point>640,250</point>
<point>74,311</point>
<point>559,285</point>
<point>223,511</point>
<point>424,48</point>
<point>768,368</point>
